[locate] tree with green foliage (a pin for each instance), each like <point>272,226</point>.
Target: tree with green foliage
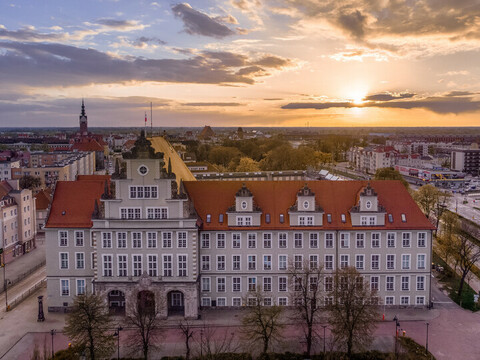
<point>89,326</point>
<point>389,173</point>
<point>261,324</point>
<point>354,311</point>
<point>247,165</point>
<point>30,182</point>
<point>222,155</point>
<point>427,198</point>
<point>446,237</point>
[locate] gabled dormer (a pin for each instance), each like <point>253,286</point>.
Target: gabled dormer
<point>305,211</point>
<point>368,211</point>
<point>244,212</point>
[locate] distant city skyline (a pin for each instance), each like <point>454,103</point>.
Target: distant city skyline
<point>319,63</point>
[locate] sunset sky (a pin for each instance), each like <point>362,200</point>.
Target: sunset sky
<point>241,62</point>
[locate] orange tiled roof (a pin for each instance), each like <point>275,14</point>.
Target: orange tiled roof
<point>73,203</point>
<point>91,145</point>
<point>276,197</point>
<point>5,188</point>
<point>93,177</point>
<point>42,200</point>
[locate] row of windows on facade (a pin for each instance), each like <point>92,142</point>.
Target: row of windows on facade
<point>25,223</point>
<point>236,240</point>
<point>282,284</point>
<point>137,264</point>
<point>236,265</point>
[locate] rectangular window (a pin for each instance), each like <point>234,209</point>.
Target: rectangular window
<point>252,262</point>
<point>80,286</point>
<point>267,301</point>
<point>389,300</point>
<point>363,220</point>
<point>65,287</point>
<point>282,262</point>
<point>236,301</point>
<point>313,262</point>
<point>205,262</point>
<point>390,283</point>
<point>107,265</point>
<point>404,300</point>
<point>328,283</point>
<point>372,220</point>
<point>267,262</point>
<point>136,240</point>
<point>374,283</point>
<point>236,284</point>
<point>221,241</point>
<point>309,220</point>
<point>130,213</point>
<point>267,241</point>
<point>328,262</point>
<point>282,301</point>
<point>313,283</point>
<point>420,300</point>
<point>221,262</point>
<point>360,241</point>
<point>181,239</point>
<point>236,241</point>
<point>282,283</point>
<point>298,261</point>
<point>121,240</point>
<point>152,265</point>
<point>206,301</point>
<point>252,284</point>
<point>344,240</point>
<point>301,220</point>
<point>79,238</point>
<point>359,262</point>
<point>252,241</point>
<point>122,265</point>
<point>313,240</point>
<point>157,213</point>
<point>205,241</point>
<point>406,261</point>
<point>267,284</point>
<point>406,240</point>
<point>80,260</point>
<point>63,260</point>
<point>62,237</point>
<point>137,265</point>
<point>344,262</point>
<point>329,240</point>
<point>405,283</point>
<point>375,240</point>
<point>167,265</point>
<point>421,261</point>
<point>220,284</point>
<point>375,262</point>
<point>182,265</point>
<point>152,240</point>
<point>206,284</point>
<point>390,262</point>
<point>391,240</point>
<point>282,241</point>
<point>167,240</point>
<point>420,283</point>
<point>422,239</point>
<point>236,262</point>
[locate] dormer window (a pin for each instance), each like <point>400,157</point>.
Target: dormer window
<point>390,218</point>
<point>244,205</point>
<point>282,218</point>
<point>305,205</point>
<point>209,218</point>
<point>220,218</point>
<point>404,218</point>
<point>329,218</point>
<point>344,219</point>
<point>267,218</point>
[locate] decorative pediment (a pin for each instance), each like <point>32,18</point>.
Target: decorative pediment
<point>244,192</point>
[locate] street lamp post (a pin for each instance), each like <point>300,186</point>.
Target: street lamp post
<point>117,334</point>
<point>397,325</point>
<point>324,327</point>
<point>53,332</point>
<point>426,342</point>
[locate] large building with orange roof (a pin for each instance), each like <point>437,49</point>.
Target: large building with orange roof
<point>210,244</point>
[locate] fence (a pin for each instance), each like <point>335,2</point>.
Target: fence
<point>22,276</point>
<point>26,294</point>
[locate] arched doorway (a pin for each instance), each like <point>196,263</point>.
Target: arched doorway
<point>146,302</point>
<point>116,302</point>
<point>176,304</point>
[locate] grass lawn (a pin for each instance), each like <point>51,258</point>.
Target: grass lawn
<point>451,281</point>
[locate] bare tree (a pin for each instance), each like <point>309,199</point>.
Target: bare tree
<point>307,278</point>
<point>354,310</point>
<point>89,326</point>
<point>262,322</point>
<point>144,316</point>
<point>446,237</point>
<point>213,342</point>
<point>187,332</point>
<point>467,254</point>
<point>427,198</point>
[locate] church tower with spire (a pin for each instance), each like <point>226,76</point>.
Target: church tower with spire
<point>83,120</point>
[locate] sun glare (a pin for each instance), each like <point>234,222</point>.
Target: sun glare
<point>356,94</point>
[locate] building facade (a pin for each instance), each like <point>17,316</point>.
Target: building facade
<point>209,244</point>
<point>467,161</point>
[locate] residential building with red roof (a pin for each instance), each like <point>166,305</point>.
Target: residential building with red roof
<point>207,244</point>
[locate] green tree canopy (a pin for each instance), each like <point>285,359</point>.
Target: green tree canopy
<point>389,173</point>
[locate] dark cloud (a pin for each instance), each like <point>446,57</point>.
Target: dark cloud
<point>460,93</point>
<point>116,24</point>
<point>198,23</point>
<point>212,104</point>
<point>254,69</point>
<point>273,99</point>
<point>440,104</point>
<point>388,97</point>
<point>353,23</point>
<point>39,64</point>
<point>143,41</point>
<point>27,34</point>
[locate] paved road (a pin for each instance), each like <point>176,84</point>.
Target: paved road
<point>178,166</point>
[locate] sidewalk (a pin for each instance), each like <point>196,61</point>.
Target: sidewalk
<point>16,269</point>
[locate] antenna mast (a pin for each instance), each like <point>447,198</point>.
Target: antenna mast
<point>151,119</point>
